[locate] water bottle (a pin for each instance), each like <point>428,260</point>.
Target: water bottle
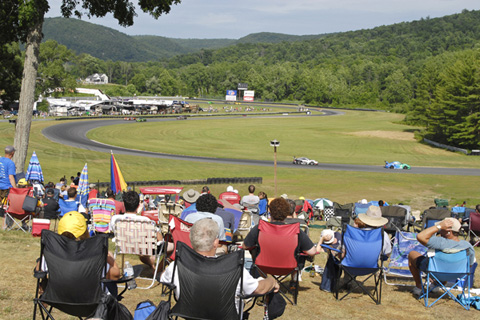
<point>128,272</point>
<point>312,270</point>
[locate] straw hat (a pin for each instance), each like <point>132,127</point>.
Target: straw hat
<point>373,217</point>
<point>191,195</point>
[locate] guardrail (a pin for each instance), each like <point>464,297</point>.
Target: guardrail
<point>208,181</point>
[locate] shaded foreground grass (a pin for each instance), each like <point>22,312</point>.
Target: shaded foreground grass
<point>19,251</point>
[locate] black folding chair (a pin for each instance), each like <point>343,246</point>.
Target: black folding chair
<point>75,270</point>
<point>397,219</point>
<point>207,285</point>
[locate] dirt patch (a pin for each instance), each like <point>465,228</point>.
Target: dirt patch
<point>394,135</point>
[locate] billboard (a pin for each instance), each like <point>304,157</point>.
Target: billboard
<point>231,95</point>
<point>242,86</point>
<point>248,95</point>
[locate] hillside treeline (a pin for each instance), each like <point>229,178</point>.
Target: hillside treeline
<point>427,69</point>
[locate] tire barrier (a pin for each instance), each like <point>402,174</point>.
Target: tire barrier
<point>242,180</point>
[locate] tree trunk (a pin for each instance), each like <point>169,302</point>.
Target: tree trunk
<point>27,95</point>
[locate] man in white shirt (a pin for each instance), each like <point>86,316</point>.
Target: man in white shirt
<point>204,239</point>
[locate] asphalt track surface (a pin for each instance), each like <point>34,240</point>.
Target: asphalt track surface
<point>75,134</point>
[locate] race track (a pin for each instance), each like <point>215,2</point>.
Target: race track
<point>75,134</point>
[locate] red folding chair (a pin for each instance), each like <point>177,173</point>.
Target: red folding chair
<point>178,230</point>
<point>231,197</point>
<point>278,253</point>
<point>15,200</point>
<point>474,229</point>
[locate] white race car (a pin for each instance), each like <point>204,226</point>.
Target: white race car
<point>305,161</point>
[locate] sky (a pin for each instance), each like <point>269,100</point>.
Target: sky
<point>233,19</point>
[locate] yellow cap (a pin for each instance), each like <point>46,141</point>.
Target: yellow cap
<point>22,182</point>
<point>72,222</point>
<point>301,198</point>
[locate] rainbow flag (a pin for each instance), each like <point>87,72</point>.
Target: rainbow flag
<point>117,183</point>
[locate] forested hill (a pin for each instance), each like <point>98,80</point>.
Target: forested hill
<point>109,44</point>
<point>412,41</point>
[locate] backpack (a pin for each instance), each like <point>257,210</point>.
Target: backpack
<point>161,312</point>
<point>143,310</point>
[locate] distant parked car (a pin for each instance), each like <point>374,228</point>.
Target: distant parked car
<point>396,165</point>
<point>305,161</point>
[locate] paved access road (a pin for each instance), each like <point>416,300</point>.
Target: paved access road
<point>74,134</point>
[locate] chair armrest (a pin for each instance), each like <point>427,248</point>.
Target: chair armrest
<point>330,248</point>
<point>121,280</point>
<point>169,285</point>
<point>40,274</point>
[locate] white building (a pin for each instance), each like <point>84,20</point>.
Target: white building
<point>97,78</point>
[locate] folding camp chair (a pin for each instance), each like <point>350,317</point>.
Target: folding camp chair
<point>397,218</point>
<point>207,286</point>
<point>340,218</point>
<point>244,226</point>
<point>403,243</point>
<point>278,254</point>
<point>363,248</point>
<point>474,228</point>
<point>443,267</point>
<point>431,216</point>
<point>138,238</point>
<point>101,212</point>
<point>360,208</point>
<point>458,212</point>
<point>231,197</point>
<point>16,198</point>
<point>67,206</point>
<point>75,270</point>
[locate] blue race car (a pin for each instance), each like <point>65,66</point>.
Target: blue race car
<point>396,165</point>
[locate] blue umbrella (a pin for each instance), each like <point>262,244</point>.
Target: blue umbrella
<point>83,187</point>
<point>34,171</point>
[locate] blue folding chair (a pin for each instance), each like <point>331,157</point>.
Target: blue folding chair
<point>67,206</point>
<point>362,258</point>
<point>451,267</point>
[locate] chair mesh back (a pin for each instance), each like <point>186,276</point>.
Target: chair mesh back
<point>404,242</point>
<point>75,269</point>
<point>431,216</point>
<point>278,245</point>
<point>136,237</point>
<point>102,211</point>
<point>362,247</point>
<point>207,285</point>
<point>396,217</point>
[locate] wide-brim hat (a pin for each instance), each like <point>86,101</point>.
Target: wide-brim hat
<point>191,195</point>
<point>373,217</point>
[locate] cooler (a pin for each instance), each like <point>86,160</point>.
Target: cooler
<point>38,225</point>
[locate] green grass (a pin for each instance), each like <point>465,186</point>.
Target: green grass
<point>357,138</point>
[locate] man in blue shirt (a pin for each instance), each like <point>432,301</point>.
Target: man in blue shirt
<point>449,229</point>
<point>7,177</point>
<point>7,172</point>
